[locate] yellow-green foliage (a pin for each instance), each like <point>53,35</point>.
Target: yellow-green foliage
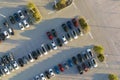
<point>112,77</point>
<point>98,49</point>
<point>101,57</point>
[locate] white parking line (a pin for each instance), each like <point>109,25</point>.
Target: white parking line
<point>75,5</point>
<point>2,15</point>
<point>90,35</point>
<point>51,12</point>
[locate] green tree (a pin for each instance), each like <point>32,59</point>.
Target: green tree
<point>112,77</point>
<point>101,57</point>
<point>98,49</point>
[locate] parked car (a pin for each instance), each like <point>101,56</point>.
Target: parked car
<point>5,23</point>
<point>69,24</point>
<point>16,16</point>
<point>59,42</point>
<point>2,37</point>
<point>70,63</point>
<point>7,35</point>
<point>26,12</point>
<point>94,63</point>
<point>15,64</point>
<point>74,34</point>
<point>74,59</point>
<point>80,58</point>
<point>75,22</point>
<point>10,67</point>
<point>64,39</point>
<point>10,31</point>
<point>56,69</point>
<point>80,69</point>
<point>37,77</point>
<point>44,50</point>
<point>21,26</point>
<point>49,35</point>
<point>4,59</point>
<point>53,45</point>
<point>48,47</point>
<point>42,76</point>
<point>25,24</point>
<point>39,52</point>
<point>5,70</point>
<point>20,62</point>
<point>34,55</point>
<point>61,67</point>
<point>85,56</point>
<point>30,57</point>
<point>54,33</point>
<point>90,53</point>
<point>68,36</point>
<point>65,27</point>
<point>89,64</point>
<point>79,32</point>
<point>10,57</point>
<point>20,13</point>
<point>12,20</point>
<point>66,66</point>
<point>84,66</point>
<point>49,73</point>
<point>25,59</point>
<point>1,72</point>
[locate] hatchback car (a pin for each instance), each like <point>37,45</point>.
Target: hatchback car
<point>49,35</point>
<point>20,13</point>
<point>65,27</point>
<point>12,20</point>
<point>54,46</point>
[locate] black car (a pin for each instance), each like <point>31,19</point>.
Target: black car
<point>68,36</point>
<point>39,52</point>
<point>65,28</point>
<point>69,24</point>
<point>12,20</point>
<point>48,47</point>
<point>35,55</point>
<point>16,16</point>
<point>59,42</point>
<point>80,69</point>
<point>20,62</point>
<point>5,59</point>
<point>2,37</point>
<point>74,59</point>
<point>47,74</point>
<point>54,33</point>
<point>79,56</point>
<point>5,23</point>
<point>78,31</point>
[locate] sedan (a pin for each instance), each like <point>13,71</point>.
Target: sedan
<point>10,31</point>
<point>12,20</point>
<point>7,35</point>
<point>74,34</point>
<point>21,14</point>
<point>85,56</point>
<point>66,66</point>
<point>65,28</point>
<point>6,23</point>
<point>54,33</point>
<point>53,45</point>
<point>2,36</point>
<point>16,16</point>
<point>74,59</point>
<point>21,26</point>
<point>20,62</point>
<point>59,42</point>
<point>69,24</point>
<point>61,67</point>
<point>42,76</point>
<point>80,69</point>
<point>25,24</point>
<point>49,35</point>
<point>15,64</point>
<point>75,22</point>
<point>56,69</point>
<point>64,39</point>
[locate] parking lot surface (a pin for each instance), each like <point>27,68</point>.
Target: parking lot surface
<point>103,18</point>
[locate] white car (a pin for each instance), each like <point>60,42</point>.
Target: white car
<point>6,70</point>
<point>94,63</point>
<point>74,34</point>
<point>15,64</point>
<point>10,31</point>
<point>21,14</point>
<point>7,35</point>
<point>53,45</point>
<point>37,77</point>
<point>31,59</point>
<point>21,26</point>
<point>25,24</point>
<point>90,53</point>
<point>64,39</point>
<point>44,50</point>
<point>51,73</point>
<point>42,76</point>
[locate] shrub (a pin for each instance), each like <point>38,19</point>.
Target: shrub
<point>101,57</point>
<point>98,49</point>
<point>112,77</point>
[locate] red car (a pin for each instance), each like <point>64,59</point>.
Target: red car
<point>61,67</point>
<point>84,67</point>
<point>49,35</point>
<point>75,22</point>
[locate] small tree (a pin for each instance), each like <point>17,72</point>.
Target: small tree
<point>98,49</point>
<point>101,57</point>
<point>112,77</point>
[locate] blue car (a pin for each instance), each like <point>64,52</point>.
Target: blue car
<point>56,69</point>
<point>70,63</point>
<point>69,24</point>
<point>16,16</point>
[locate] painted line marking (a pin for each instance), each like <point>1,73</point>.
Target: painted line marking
<point>51,12</point>
<point>2,15</point>
<point>75,5</point>
<point>90,35</point>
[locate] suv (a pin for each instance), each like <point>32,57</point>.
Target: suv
<point>65,27</point>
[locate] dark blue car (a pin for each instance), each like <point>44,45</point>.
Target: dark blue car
<point>16,16</point>
<point>69,24</point>
<point>56,69</point>
<point>70,63</point>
